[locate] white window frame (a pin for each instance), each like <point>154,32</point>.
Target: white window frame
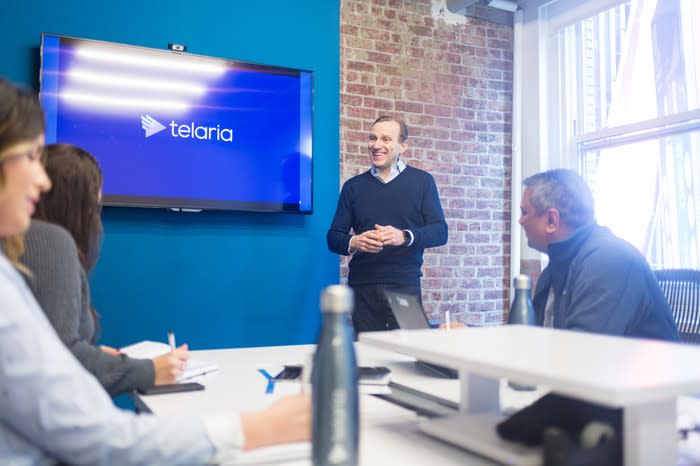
<point>537,140</point>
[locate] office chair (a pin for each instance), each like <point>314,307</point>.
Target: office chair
<point>682,290</point>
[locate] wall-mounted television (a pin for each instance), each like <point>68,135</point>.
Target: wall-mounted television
<point>178,130</point>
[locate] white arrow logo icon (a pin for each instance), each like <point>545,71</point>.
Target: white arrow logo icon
<point>150,125</point>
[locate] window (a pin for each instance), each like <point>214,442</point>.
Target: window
<point>623,106</point>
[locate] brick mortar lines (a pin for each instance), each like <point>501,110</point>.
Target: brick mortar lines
<point>452,85</point>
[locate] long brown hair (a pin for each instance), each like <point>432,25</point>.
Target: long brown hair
<point>74,200</point>
<point>21,120</point>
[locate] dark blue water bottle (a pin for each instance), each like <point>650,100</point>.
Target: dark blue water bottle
<point>334,383</point>
<point>521,312</point>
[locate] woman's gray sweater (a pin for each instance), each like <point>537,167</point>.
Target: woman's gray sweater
<point>61,288</point>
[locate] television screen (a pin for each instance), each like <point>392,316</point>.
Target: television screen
<point>182,131</point>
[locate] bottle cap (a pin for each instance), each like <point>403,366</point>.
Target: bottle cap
<point>521,282</point>
<point>337,298</point>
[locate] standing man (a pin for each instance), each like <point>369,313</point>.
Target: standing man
<point>394,213</point>
<point>594,281</point>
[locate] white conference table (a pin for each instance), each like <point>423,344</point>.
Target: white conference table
<point>389,434</point>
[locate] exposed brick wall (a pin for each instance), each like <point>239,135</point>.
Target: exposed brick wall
<point>453,86</point>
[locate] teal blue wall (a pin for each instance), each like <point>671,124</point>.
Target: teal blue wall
<point>218,279</point>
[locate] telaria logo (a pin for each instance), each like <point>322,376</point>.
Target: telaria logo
<point>192,130</point>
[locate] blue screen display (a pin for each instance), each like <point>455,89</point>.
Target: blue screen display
<point>179,130</point>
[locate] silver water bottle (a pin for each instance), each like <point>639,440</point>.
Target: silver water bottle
<point>334,383</point>
<point>521,312</point>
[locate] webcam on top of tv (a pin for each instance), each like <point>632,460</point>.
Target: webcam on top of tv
<point>177,47</point>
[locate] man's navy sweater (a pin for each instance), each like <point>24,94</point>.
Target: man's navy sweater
<point>408,202</point>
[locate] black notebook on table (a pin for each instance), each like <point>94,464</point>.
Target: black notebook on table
<point>409,314</point>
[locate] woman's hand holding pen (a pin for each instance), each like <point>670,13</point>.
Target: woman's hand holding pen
<point>169,366</point>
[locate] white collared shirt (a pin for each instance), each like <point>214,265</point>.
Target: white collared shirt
<point>395,171</point>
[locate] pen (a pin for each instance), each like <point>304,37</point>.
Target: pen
<point>171,341</point>
<point>447,320</point>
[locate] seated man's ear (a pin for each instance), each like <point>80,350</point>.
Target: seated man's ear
<point>552,219</point>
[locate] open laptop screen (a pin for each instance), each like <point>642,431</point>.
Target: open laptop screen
<point>409,314</point>
<point>407,310</point>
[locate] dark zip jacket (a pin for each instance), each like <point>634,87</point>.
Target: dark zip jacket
<point>602,284</point>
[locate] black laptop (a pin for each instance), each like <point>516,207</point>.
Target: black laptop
<point>409,314</point>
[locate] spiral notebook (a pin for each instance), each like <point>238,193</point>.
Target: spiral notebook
<point>150,349</point>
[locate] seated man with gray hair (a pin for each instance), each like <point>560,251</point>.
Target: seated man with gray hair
<point>594,281</point>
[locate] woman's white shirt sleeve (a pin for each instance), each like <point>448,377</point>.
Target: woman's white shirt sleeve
<point>52,408</point>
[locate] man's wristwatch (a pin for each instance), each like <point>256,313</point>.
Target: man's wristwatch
<point>406,237</point>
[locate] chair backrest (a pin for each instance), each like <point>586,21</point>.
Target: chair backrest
<point>682,290</point>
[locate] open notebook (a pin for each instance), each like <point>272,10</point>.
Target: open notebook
<point>150,349</point>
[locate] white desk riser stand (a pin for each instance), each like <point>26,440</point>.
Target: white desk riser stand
<point>644,377</point>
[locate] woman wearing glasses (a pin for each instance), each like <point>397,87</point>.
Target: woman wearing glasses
<point>51,409</point>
